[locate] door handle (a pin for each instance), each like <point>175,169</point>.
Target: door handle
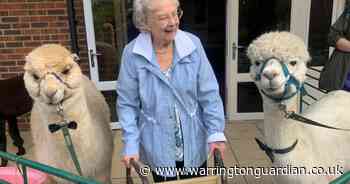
<point>235,47</point>
<point>238,46</point>
<point>92,54</point>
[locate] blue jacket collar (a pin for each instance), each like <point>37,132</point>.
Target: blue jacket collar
<point>183,44</point>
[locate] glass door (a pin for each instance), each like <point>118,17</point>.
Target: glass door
<point>247,19</point>
<point>108,28</point>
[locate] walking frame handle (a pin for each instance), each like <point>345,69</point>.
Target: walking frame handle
<point>137,166</point>
<point>219,163</point>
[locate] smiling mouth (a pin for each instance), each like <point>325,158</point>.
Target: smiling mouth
<point>172,29</point>
<point>54,102</point>
<point>274,87</point>
<point>169,31</point>
<point>271,89</point>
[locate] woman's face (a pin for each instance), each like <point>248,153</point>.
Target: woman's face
<point>163,20</point>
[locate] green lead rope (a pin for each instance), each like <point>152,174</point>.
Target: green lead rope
<point>70,146</point>
<point>67,138</point>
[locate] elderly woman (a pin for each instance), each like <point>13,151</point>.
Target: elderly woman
<point>168,97</point>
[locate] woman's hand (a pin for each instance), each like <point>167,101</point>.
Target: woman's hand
<point>126,159</point>
<point>220,145</point>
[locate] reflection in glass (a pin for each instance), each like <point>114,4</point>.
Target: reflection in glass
<point>257,17</point>
<point>110,25</point>
<point>113,29</point>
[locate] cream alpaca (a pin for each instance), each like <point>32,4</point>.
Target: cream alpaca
<point>315,147</point>
<point>52,77</point>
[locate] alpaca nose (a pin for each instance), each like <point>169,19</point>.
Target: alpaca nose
<point>270,75</point>
<point>50,92</point>
<point>50,85</point>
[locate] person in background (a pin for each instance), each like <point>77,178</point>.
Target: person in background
<point>335,74</point>
<point>168,100</point>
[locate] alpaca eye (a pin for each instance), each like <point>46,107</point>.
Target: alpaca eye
<point>293,63</point>
<point>36,77</point>
<point>66,71</point>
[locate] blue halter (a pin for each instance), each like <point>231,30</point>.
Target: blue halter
<point>291,81</point>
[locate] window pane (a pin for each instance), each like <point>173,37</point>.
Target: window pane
<point>257,17</point>
<point>111,99</point>
<point>248,98</point>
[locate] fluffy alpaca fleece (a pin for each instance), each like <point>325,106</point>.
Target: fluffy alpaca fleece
<point>51,76</point>
<point>316,147</point>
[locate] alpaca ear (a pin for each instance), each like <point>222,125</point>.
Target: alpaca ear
<point>69,59</point>
<point>27,63</point>
<point>75,57</point>
<point>308,61</point>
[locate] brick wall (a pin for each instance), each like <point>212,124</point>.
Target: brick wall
<point>26,24</point>
<point>79,15</point>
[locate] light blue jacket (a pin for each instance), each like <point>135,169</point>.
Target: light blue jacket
<point>146,101</point>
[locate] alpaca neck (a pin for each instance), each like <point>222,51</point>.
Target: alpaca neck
<point>279,132</point>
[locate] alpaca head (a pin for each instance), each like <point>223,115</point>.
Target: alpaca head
<point>51,74</point>
<point>278,63</point>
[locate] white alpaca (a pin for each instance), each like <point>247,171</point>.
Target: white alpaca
<point>314,146</point>
<point>52,77</point>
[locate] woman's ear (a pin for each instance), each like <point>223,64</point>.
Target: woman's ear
<point>146,28</point>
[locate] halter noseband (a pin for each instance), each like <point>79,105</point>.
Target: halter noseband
<point>291,81</point>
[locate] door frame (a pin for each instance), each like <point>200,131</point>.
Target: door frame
<point>92,55</point>
<point>232,75</point>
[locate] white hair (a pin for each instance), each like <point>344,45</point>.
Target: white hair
<point>281,45</point>
<point>140,11</point>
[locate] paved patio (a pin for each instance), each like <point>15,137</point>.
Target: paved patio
<point>242,151</point>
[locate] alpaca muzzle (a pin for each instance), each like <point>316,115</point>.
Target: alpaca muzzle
<point>52,88</point>
<point>291,81</point>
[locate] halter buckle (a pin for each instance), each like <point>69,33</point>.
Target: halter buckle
<point>60,109</point>
<point>283,108</point>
